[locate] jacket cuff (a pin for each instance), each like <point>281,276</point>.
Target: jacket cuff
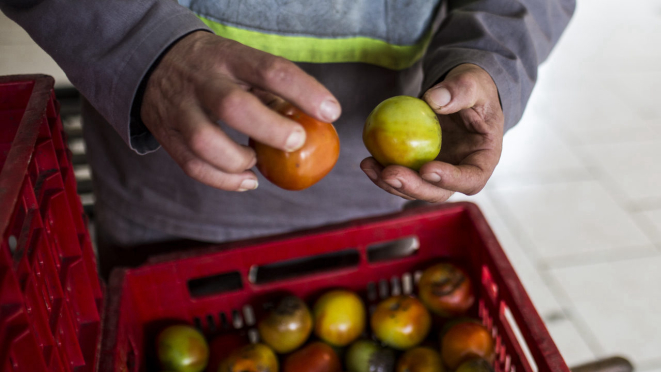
<point>135,73</point>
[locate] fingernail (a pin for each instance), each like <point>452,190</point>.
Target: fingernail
<point>440,96</point>
<point>248,185</point>
<point>395,183</point>
<point>370,173</point>
<point>295,140</point>
<point>431,177</point>
<point>330,110</point>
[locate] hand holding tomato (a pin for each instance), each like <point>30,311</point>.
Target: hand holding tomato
<point>472,121</point>
<point>205,78</point>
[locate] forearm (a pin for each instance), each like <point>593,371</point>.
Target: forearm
<point>508,39</point>
<point>106,47</point>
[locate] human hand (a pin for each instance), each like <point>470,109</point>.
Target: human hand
<point>472,121</point>
<point>204,78</point>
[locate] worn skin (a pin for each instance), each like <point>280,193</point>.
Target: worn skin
<point>205,78</point>
<point>472,121</point>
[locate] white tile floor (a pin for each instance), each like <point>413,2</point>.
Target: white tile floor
<point>576,201</point>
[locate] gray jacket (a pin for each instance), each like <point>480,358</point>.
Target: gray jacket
<point>107,47</point>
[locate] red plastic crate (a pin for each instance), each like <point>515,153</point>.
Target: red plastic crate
<point>50,294</point>
<point>185,287</point>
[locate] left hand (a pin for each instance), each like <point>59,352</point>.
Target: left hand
<point>472,123</point>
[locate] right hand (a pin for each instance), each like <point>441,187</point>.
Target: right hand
<point>204,78</point>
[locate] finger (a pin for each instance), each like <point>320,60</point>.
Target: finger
<point>200,170</point>
<point>373,169</point>
<point>244,112</point>
<point>461,89</point>
<point>285,79</point>
<point>409,183</point>
<point>469,177</point>
<point>205,140</point>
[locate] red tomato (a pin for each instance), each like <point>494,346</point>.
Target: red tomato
<point>306,166</point>
<point>316,357</point>
<point>222,346</point>
<point>464,341</point>
<point>446,290</point>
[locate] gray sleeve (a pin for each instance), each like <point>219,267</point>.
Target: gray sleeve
<point>507,38</point>
<point>106,48</point>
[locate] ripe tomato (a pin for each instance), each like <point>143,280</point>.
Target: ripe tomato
<point>446,290</point>
<point>401,322</point>
<point>339,317</point>
<point>182,348</point>
<point>306,166</point>
<point>250,358</point>
<point>316,357</point>
<point>464,341</point>
<point>368,356</point>
<point>403,130</point>
<point>287,326</point>
<point>420,359</point>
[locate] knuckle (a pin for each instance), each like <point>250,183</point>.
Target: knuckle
<point>199,140</point>
<point>276,69</point>
<point>231,101</point>
<point>194,168</point>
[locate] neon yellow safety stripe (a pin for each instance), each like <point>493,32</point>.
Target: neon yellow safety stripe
<point>325,50</point>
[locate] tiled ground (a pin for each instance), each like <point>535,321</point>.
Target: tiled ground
<point>576,200</point>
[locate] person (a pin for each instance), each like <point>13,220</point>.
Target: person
<point>173,90</point>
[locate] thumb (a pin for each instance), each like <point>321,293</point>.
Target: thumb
<point>457,92</point>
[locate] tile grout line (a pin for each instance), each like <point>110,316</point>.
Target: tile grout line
<point>564,301</point>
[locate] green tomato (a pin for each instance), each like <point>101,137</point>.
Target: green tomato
<point>368,356</point>
<point>181,348</point>
<point>403,130</point>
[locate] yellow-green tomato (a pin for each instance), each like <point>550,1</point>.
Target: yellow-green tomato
<point>403,130</point>
<point>339,317</point>
<point>420,359</point>
<point>250,358</point>
<point>288,326</point>
<point>182,348</point>
<point>401,322</point>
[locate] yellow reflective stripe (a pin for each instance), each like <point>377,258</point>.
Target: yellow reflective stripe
<point>325,50</point>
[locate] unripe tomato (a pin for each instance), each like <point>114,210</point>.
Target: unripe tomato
<point>300,169</point>
<point>368,356</point>
<point>420,359</point>
<point>182,348</point>
<point>403,130</point>
<point>464,341</point>
<point>475,365</point>
<point>401,322</point>
<point>339,317</point>
<point>250,358</point>
<point>446,290</point>
<point>316,357</point>
<point>287,326</point>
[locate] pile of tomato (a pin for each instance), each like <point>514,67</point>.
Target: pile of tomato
<point>336,334</point>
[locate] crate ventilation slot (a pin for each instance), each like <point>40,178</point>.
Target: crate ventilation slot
<point>290,269</point>
<point>211,285</point>
<point>392,250</point>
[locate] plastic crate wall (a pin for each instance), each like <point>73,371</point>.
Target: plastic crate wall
<point>50,294</point>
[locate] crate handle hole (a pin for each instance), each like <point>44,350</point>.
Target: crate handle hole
<point>391,250</point>
<point>211,285</point>
<point>289,269</point>
<point>508,318</point>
